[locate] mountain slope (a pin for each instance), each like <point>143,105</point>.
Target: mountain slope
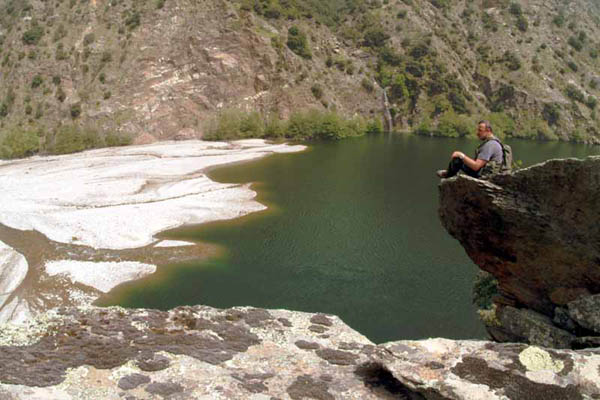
<point>164,68</point>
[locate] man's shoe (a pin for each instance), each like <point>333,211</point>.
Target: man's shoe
<point>441,173</point>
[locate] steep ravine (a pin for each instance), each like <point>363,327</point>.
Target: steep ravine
<point>202,352</point>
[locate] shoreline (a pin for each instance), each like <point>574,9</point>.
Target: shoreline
<point>98,207</point>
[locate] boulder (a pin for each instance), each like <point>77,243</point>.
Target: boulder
<point>586,312</point>
<point>535,230</point>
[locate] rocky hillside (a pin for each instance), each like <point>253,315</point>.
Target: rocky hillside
<point>161,69</point>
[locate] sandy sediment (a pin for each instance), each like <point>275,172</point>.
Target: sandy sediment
<point>118,198</point>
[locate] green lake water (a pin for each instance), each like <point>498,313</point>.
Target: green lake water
<point>352,229</point>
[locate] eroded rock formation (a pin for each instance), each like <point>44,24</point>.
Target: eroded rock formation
<point>248,353</point>
<point>536,231</point>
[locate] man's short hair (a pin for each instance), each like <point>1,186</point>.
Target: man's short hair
<point>487,124</point>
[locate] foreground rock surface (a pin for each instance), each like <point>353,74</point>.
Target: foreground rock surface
<point>205,353</point>
<point>536,231</point>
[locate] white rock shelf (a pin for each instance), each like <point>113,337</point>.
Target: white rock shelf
<point>100,275</point>
<point>117,198</point>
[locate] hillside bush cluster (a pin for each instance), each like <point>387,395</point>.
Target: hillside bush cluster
<point>330,13</point>
<point>298,43</point>
<point>304,125</point>
<point>17,142</point>
<point>452,124</point>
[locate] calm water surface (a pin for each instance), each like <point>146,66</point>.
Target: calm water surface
<point>352,229</point>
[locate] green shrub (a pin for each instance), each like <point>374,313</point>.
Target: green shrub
<point>102,77</point>
<point>60,94</point>
<point>453,125</point>
<point>18,143</point>
<point>75,110</point>
<point>61,54</point>
<point>39,111</point>
<point>298,43</point>
<point>37,81</point>
<point>274,127</point>
<point>317,91</point>
<point>107,95</point>
<point>374,126</point>
<point>232,124</point>
<point>28,109</point>
<point>401,14</point>
<point>573,66</point>
<point>419,51</point>
<point>458,101</point>
<point>160,4</point>
<point>312,124</point>
<point>522,23</point>
<point>398,89</point>
<point>535,129</point>
<point>575,43</point>
<point>551,113</point>
<point>33,35</point>
<point>389,56</point>
<point>485,288</point>
<point>515,9</point>
<point>489,22</point>
<point>440,3</point>
<point>89,39</point>
<point>71,139</point>
<point>574,93</point>
<point>424,127</point>
<point>133,20</point>
<point>375,37</point>
<point>559,20</point>
<point>367,84</point>
<point>591,102</point>
<point>106,56</point>
<point>414,68</point>
<point>511,60</point>
<point>502,124</point>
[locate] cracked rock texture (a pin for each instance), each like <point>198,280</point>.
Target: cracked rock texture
<point>536,231</point>
<point>246,353</point>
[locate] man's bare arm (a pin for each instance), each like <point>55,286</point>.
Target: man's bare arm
<point>475,165</point>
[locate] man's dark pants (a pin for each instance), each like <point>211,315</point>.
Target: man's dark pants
<point>456,165</point>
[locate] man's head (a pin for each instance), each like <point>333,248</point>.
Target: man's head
<point>484,129</point>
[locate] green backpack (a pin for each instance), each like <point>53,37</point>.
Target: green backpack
<point>507,160</point>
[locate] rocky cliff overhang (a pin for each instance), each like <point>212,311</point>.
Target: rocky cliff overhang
<point>537,232</point>
<point>201,352</point>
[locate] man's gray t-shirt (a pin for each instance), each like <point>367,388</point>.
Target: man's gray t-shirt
<point>491,150</point>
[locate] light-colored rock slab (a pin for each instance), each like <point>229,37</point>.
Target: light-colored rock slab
<point>16,311</point>
<point>100,275</point>
<point>13,269</point>
<point>120,198</point>
<point>173,243</point>
<point>198,352</point>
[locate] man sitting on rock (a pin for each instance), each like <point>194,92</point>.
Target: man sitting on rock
<point>489,154</point>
